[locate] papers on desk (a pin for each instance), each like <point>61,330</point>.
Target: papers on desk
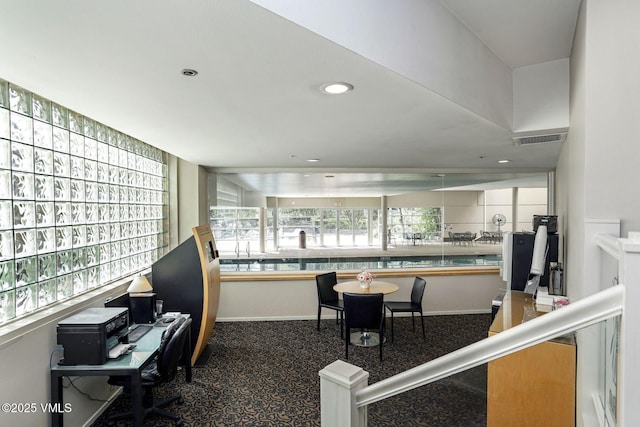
<point>139,357</point>
<point>543,297</point>
<point>546,302</point>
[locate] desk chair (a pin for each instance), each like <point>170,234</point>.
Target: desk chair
<point>413,306</point>
<point>328,297</point>
<point>363,311</point>
<point>159,372</point>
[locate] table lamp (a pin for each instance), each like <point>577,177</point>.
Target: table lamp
<point>142,302</point>
<point>139,284</point>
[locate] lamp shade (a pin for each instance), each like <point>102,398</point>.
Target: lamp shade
<point>139,284</point>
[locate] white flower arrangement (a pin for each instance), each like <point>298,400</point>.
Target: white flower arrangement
<point>365,277</point>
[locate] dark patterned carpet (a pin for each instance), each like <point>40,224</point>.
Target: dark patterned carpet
<point>266,374</point>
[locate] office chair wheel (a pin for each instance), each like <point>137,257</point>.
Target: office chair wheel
<point>180,401</point>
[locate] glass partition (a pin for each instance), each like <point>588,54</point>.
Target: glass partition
<point>415,225</point>
<point>236,230</point>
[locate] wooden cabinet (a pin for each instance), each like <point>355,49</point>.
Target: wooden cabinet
<point>533,387</point>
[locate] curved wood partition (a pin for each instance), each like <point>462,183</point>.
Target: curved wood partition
<point>187,279</point>
<point>210,265</point>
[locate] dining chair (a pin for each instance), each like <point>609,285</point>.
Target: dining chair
<point>328,297</point>
<point>413,306</point>
<point>363,311</point>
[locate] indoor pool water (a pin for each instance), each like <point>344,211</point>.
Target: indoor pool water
<point>357,263</point>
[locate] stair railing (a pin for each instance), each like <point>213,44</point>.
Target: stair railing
<point>344,393</point>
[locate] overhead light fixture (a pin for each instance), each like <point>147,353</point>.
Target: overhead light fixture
<point>504,161</point>
<point>189,72</point>
<point>337,88</point>
<point>313,160</point>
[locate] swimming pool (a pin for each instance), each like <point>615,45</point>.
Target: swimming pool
<point>357,263</point>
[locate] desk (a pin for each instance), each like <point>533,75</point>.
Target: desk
<point>535,386</point>
<point>130,365</point>
<point>366,338</point>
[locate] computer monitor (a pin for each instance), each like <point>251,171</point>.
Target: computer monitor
<point>141,306</point>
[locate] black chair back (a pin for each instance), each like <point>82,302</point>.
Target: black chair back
<point>417,292</point>
<point>171,348</point>
<point>325,283</point>
<point>363,310</point>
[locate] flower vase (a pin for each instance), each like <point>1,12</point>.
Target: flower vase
<point>364,284</point>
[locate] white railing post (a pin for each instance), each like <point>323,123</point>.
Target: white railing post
<point>629,350</point>
<point>339,383</point>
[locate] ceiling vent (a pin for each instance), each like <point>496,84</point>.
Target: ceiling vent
<point>539,139</point>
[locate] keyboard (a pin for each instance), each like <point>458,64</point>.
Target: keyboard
<point>137,331</point>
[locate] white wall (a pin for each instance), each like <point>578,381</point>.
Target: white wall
<point>612,154</point>
<point>541,96</point>
<point>193,203</point>
<point>24,367</point>
<point>245,300</point>
<point>531,201</point>
<point>596,171</point>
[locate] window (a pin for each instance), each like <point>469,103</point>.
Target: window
<point>235,229</point>
<point>294,220</point>
<point>415,224</point>
<point>81,204</point>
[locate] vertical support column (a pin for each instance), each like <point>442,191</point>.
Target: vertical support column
<point>628,393</point>
<point>338,226</point>
<point>551,193</point>
<point>339,383</point>
<point>261,228</point>
<point>514,209</point>
<point>385,226</point>
<point>276,225</point>
<point>369,228</point>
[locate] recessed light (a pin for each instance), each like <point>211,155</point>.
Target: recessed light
<point>504,161</point>
<point>189,72</point>
<point>337,88</point>
<point>313,160</point>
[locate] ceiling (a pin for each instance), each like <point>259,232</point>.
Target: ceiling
<point>255,112</point>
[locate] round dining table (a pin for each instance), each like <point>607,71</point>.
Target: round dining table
<point>365,338</point>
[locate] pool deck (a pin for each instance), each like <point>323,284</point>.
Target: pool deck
<point>402,250</point>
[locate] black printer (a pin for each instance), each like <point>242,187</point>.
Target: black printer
<point>88,336</point>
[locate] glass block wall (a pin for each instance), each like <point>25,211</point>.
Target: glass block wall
<point>81,204</point>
